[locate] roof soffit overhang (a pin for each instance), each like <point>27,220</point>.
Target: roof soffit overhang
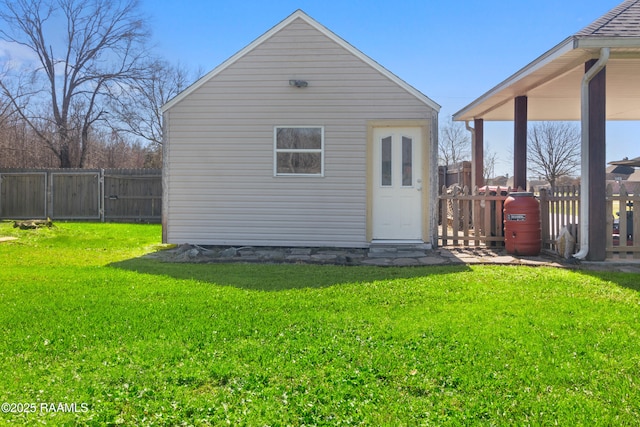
<point>553,79</point>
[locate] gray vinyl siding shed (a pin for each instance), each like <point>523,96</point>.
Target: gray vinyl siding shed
<point>219,182</point>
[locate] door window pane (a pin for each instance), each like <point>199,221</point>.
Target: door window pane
<point>407,159</point>
<point>386,162</point>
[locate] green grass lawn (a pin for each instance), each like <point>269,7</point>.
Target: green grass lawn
<point>133,341</point>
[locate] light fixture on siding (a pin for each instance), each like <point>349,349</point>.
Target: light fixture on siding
<point>298,83</point>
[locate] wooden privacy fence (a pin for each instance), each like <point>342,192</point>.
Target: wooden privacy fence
<point>128,195</point>
<point>476,218</point>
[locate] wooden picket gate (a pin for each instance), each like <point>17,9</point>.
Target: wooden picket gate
<point>559,208</point>
<point>472,218</point>
<point>624,241</point>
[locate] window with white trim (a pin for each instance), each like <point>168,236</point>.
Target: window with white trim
<point>299,150</point>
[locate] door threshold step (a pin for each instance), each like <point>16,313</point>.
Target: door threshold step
<point>399,244</point>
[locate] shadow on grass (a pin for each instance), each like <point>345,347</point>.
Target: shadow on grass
<point>625,280</point>
<point>278,277</point>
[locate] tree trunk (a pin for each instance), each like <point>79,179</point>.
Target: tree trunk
<point>65,157</point>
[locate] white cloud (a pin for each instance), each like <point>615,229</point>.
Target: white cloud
<point>14,55</point>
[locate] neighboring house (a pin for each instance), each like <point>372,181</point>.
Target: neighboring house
<point>618,173</point>
<point>536,185</point>
<point>300,139</point>
<point>634,178</point>
<point>499,181</point>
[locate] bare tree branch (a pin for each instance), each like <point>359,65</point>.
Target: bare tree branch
<point>490,159</point>
<point>138,112</point>
<point>455,143</point>
<point>71,80</point>
<point>554,150</point>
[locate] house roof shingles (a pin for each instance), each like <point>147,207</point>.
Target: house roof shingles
<point>621,21</point>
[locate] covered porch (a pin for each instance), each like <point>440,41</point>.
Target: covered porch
<point>593,77</point>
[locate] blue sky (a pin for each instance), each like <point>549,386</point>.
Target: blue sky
<point>451,51</point>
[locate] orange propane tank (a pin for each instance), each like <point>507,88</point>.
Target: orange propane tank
<point>522,235</point>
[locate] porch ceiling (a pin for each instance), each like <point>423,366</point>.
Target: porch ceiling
<point>552,83</point>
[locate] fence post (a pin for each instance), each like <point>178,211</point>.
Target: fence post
<point>444,203</point>
<point>544,219</point>
<point>610,218</point>
<point>622,217</point>
<point>476,216</point>
<point>466,214</point>
<point>456,215</point>
<point>101,194</point>
<point>48,182</point>
<point>488,217</point>
<point>498,219</point>
<point>575,208</point>
<point>636,220</point>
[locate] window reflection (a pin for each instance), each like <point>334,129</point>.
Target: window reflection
<point>386,162</point>
<point>407,165</point>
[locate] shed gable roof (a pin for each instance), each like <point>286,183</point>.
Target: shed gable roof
<point>299,14</point>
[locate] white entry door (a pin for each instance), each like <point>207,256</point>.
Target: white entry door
<point>397,184</point>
